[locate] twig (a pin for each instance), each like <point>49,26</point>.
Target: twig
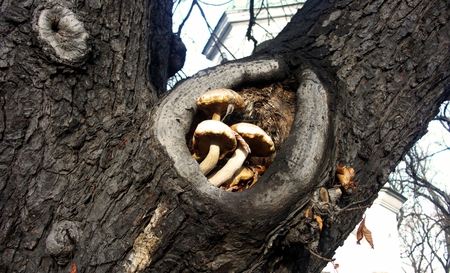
<point>215,5</point>
<point>185,18</point>
<point>251,22</point>
<point>357,203</point>
<point>321,257</point>
<point>211,31</point>
<point>359,207</point>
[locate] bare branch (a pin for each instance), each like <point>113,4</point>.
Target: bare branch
<point>251,23</point>
<point>214,4</point>
<point>180,27</point>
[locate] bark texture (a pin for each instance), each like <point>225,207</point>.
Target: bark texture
<point>90,176</point>
<point>389,63</point>
<point>66,131</point>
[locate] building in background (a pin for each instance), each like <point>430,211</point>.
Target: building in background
<point>229,42</point>
<point>381,220</point>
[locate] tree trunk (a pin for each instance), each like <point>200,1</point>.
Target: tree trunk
<point>92,178</point>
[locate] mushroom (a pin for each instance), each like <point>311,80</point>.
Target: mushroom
<point>214,139</point>
<point>260,144</point>
<point>216,103</point>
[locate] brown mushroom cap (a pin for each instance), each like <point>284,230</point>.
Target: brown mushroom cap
<point>260,143</point>
<point>208,131</point>
<point>216,103</point>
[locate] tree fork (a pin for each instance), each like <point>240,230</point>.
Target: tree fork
<point>245,217</point>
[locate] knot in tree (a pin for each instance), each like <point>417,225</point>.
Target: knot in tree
<point>61,33</point>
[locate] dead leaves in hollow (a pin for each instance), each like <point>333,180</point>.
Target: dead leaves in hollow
<point>316,217</point>
<point>363,232</point>
<point>346,177</point>
<point>245,178</point>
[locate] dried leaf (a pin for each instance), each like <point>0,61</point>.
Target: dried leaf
<point>359,234</point>
<point>308,210</point>
<point>244,179</point>
<point>243,173</point>
<point>336,266</point>
<point>364,232</point>
<point>345,176</point>
<point>74,267</point>
<point>259,169</point>
<point>318,220</point>
<point>368,236</point>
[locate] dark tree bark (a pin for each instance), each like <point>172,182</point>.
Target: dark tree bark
<point>95,169</point>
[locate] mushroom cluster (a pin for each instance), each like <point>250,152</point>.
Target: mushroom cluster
<point>214,141</point>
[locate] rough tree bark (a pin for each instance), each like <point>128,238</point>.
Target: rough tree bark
<point>95,170</point>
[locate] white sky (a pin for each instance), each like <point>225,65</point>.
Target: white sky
<point>195,32</point>
<point>436,140</point>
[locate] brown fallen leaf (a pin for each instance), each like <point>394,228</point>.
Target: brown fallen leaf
<point>258,169</point>
<point>315,216</point>
<point>318,220</point>
<point>364,232</point>
<point>308,210</point>
<point>243,173</point>
<point>345,176</point>
<point>73,268</point>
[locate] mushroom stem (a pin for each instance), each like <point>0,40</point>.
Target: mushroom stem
<point>211,158</point>
<point>234,163</point>
<point>216,116</point>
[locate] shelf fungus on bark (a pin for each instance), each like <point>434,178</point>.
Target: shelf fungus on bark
<point>62,35</point>
<point>61,240</point>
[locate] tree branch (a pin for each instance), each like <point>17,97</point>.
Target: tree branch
<point>251,23</point>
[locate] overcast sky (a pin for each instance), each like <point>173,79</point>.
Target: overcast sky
<point>195,32</point>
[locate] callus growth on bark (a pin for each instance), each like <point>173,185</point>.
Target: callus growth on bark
<point>62,35</point>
